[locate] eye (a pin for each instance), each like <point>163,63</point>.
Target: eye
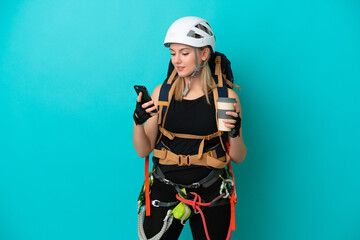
<point>185,54</point>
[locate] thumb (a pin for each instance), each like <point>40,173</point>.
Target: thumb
<point>139,97</point>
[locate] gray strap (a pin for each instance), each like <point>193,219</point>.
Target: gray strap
<point>205,182</point>
<point>198,67</point>
<point>187,88</point>
<point>158,203</point>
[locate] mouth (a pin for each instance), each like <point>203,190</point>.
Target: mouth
<point>180,68</point>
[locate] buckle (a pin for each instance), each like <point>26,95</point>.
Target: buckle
<point>195,185</point>
<point>184,160</point>
<point>155,203</point>
<point>166,181</point>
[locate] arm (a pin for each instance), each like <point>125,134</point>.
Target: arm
<point>144,137</point>
<point>238,149</point>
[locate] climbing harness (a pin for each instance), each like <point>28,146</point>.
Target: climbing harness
<point>180,209</point>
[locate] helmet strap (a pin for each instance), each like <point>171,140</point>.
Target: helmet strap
<point>198,67</point>
<point>194,74</point>
<point>187,88</point>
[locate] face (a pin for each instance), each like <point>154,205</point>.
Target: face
<point>183,58</point>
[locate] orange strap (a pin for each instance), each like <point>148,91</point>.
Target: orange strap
<point>218,71</point>
<point>147,187</point>
<point>166,157</point>
<point>172,76</point>
<point>216,97</point>
<point>237,86</point>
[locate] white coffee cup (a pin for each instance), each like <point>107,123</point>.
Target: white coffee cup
<point>224,105</point>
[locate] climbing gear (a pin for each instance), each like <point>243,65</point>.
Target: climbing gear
<point>206,182</point>
<point>167,223</point>
<point>226,185</point>
<point>181,212</point>
<point>140,115</point>
<point>147,186</point>
<point>198,67</point>
<point>144,200</point>
<point>216,157</point>
<point>192,31</point>
<point>181,209</point>
<point>236,130</point>
<point>187,88</point>
<point>166,157</point>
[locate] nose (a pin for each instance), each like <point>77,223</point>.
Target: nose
<point>177,58</point>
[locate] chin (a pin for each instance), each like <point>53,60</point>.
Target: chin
<point>184,75</point>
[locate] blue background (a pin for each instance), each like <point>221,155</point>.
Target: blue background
<point>68,169</point>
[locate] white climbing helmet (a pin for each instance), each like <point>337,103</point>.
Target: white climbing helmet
<point>192,31</point>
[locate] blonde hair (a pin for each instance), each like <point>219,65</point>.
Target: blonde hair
<point>205,79</point>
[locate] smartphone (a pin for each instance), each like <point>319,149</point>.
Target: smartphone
<point>145,94</point>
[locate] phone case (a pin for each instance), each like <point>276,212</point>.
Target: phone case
<point>145,94</point>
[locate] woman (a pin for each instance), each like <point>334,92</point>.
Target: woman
<point>190,114</point>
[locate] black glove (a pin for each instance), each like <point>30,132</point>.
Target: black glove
<point>236,130</point>
<point>140,115</point>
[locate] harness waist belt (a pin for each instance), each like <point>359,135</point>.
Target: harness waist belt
<point>206,182</point>
<point>167,157</point>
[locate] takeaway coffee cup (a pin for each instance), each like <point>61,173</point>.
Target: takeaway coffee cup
<point>224,105</point>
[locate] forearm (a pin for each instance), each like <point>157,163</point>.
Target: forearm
<point>238,149</point>
<point>141,141</point>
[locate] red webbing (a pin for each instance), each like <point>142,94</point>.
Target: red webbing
<point>232,203</point>
<point>147,186</point>
<point>233,198</point>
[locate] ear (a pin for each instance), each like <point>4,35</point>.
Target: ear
<point>205,54</point>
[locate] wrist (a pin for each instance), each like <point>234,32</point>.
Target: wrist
<point>137,121</point>
<point>138,125</point>
<point>235,132</point>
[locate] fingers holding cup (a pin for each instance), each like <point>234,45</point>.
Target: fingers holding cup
<point>226,113</point>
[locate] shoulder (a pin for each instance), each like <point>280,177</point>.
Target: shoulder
<point>155,93</point>
<point>232,94</point>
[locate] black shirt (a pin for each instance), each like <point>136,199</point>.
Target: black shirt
<point>196,117</point>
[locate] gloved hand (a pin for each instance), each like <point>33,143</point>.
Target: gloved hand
<point>236,130</point>
<point>143,111</point>
<point>140,115</point>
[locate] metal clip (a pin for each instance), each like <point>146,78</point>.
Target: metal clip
<point>166,181</point>
<point>224,187</point>
<point>155,203</point>
<point>195,185</point>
